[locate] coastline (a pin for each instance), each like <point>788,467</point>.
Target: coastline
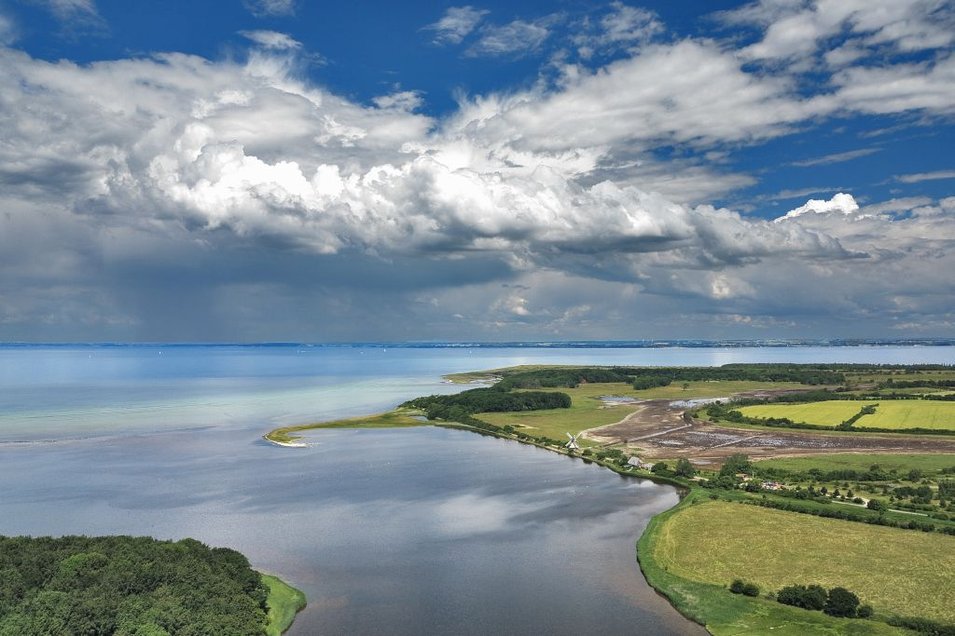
<point>707,604</point>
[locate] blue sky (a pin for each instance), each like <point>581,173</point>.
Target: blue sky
<point>293,170</point>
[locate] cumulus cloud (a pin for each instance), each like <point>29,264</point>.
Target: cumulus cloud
<point>241,180</point>
<point>456,24</point>
<point>841,203</point>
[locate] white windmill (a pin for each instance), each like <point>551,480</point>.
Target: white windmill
<point>572,444</point>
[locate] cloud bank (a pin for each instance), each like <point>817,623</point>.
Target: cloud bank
<point>164,197</point>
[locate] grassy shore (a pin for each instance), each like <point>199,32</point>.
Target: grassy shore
<point>896,571</point>
<point>391,419</point>
<point>723,613</point>
<point>284,603</point>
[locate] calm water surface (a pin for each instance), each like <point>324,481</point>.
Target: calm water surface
<point>401,532</point>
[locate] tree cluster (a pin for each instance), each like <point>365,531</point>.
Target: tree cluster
<point>128,586</point>
<point>487,400</point>
<point>836,602</point>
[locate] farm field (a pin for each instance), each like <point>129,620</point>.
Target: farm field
<point>889,415</point>
<point>862,461</point>
<point>828,413</point>
<point>896,571</point>
<point>587,410</point>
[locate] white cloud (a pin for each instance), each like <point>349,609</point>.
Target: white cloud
<point>515,38</point>
<point>456,24</point>
<point>272,40</point>
<point>400,100</point>
<point>181,162</point>
<point>918,177</point>
<point>840,203</point>
<point>263,8</point>
<point>796,30</point>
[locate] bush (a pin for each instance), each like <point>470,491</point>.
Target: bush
<point>812,597</point>
<point>751,589</point>
<point>865,611</point>
<point>841,602</point>
<point>737,586</point>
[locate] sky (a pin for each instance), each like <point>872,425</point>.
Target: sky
<point>289,170</point>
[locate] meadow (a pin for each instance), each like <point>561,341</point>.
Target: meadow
<point>391,419</point>
<point>898,572</point>
<point>889,415</point>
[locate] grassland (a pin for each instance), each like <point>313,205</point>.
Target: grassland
<point>284,602</point>
<point>897,571</point>
<point>726,614</point>
<point>862,461</point>
<point>391,419</point>
<point>889,415</point>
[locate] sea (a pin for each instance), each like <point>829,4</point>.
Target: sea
<point>404,531</point>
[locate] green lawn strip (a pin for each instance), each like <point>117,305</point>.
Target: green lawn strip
<point>284,602</point>
<point>391,419</point>
<point>898,572</point>
<point>724,613</point>
<point>862,461</point>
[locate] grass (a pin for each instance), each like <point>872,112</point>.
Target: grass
<point>391,419</point>
<point>862,461</point>
<point>284,602</point>
<point>896,571</point>
<point>889,415</point>
<point>726,614</point>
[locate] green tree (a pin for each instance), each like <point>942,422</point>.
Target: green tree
<point>685,468</point>
<point>841,602</point>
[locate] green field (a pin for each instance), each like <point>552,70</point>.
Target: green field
<point>896,571</point>
<point>889,415</point>
<point>862,461</point>
<point>829,413</point>
<point>587,410</point>
<point>284,603</point>
<point>726,614</point>
<point>391,419</point>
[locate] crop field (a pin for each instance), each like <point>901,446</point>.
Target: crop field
<point>889,415</point>
<point>587,410</point>
<point>896,571</point>
<point>862,461</point>
<point>828,413</point>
